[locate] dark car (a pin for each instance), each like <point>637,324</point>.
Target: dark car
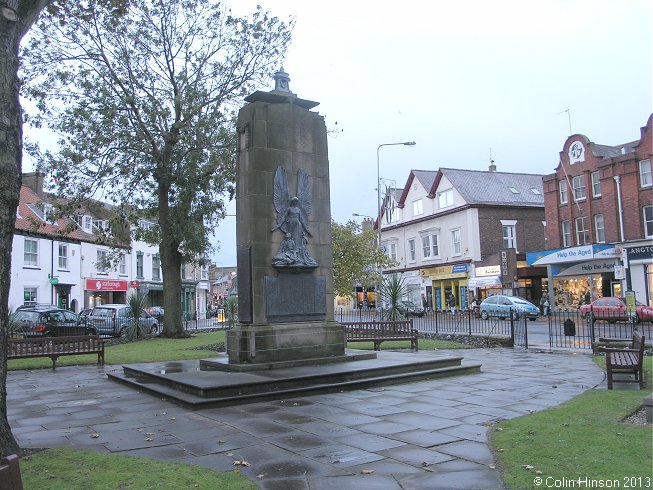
<point>155,311</point>
<point>408,308</point>
<point>49,321</point>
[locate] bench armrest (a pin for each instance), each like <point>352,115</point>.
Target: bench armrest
<point>612,339</point>
<point>613,349</point>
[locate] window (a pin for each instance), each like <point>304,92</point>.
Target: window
<point>392,251</point>
<point>563,192</point>
<point>578,182</point>
<point>122,267</point>
<point>30,295</point>
<point>204,273</point>
<point>513,190</point>
<point>88,223</point>
<point>566,234</point>
<point>599,228</point>
<point>509,237</point>
<point>63,256</point>
<point>596,184</point>
<point>101,264</point>
<point>648,221</point>
<point>139,265</point>
<point>456,245</point>
<point>445,198</point>
<point>31,253</point>
<point>645,179</point>
<point>582,233</point>
<point>536,191</point>
<point>430,246</point>
<point>411,250</point>
<point>417,207</point>
<point>156,267</point>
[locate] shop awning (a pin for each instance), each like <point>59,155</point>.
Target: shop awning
<point>484,282</point>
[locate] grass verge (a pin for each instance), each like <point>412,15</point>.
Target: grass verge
<point>74,469</point>
<point>583,438</point>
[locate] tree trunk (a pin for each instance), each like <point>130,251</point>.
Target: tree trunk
<point>173,325</point>
<point>16,17</point>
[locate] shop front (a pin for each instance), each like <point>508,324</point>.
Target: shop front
<point>486,282</point>
<point>154,292</point>
<point>638,262</point>
<point>445,281</point>
<point>104,291</point>
<point>579,275</point>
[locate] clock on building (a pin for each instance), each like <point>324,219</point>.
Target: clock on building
<point>576,152</point>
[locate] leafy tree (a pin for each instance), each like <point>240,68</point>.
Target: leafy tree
<point>356,259</point>
<point>145,107</point>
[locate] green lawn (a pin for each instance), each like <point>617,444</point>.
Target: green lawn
<point>160,349</point>
<point>70,469</point>
<point>585,437</point>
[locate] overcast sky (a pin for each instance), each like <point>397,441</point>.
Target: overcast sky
<point>462,79</point>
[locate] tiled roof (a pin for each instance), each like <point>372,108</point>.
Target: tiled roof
<point>494,188</point>
<point>29,219</point>
<point>425,177</point>
<point>613,151</point>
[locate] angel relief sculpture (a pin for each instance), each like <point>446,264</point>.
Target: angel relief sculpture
<point>292,220</point>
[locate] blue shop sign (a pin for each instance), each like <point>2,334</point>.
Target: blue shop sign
<point>456,268</point>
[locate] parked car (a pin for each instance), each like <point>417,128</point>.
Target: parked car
<point>614,309</point>
<point>502,306</point>
<point>49,321</point>
<point>84,313</point>
<point>115,319</point>
<point>156,311</point>
<point>408,308</point>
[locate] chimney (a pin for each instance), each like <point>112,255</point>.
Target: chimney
<point>34,180</point>
<point>492,167</point>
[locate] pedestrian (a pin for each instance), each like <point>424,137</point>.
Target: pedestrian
<point>588,298</point>
<point>451,303</point>
<point>542,301</point>
<point>546,307</point>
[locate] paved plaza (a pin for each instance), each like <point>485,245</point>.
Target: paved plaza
<point>424,435</point>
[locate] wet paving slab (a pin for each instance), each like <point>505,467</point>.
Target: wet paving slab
<point>427,434</point>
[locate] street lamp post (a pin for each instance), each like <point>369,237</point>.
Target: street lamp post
<point>378,198</point>
<point>378,184</point>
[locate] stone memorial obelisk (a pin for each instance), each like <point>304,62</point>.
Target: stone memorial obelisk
<point>283,230</point>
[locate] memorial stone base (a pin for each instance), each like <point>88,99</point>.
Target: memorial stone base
<point>282,342</point>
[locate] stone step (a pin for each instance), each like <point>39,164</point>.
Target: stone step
<point>208,389</point>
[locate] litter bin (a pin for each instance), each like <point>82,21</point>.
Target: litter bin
<point>570,327</point>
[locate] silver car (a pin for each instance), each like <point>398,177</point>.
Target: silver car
<point>505,306</point>
<point>115,320</point>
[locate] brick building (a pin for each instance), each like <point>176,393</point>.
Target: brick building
<point>599,211</point>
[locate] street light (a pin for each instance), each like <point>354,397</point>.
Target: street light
<point>378,198</point>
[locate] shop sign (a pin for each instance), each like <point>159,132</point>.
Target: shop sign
<point>445,271</point>
<point>571,254</point>
<point>504,263</point>
<point>584,268</point>
<point>640,253</point>
<point>54,281</point>
<point>490,270</point>
<point>105,285</point>
<point>134,284</point>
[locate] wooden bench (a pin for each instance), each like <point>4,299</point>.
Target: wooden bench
<point>378,332</point>
<point>10,478</point>
<point>624,360</point>
<point>53,347</point>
